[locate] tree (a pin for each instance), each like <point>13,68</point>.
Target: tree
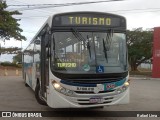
<point>9,26</point>
<point>139,46</point>
<point>12,50</point>
<point>17,58</point>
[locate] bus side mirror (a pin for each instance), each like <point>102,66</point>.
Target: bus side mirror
<point>48,53</point>
<point>37,42</point>
<point>47,40</point>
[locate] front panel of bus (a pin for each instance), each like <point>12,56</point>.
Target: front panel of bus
<point>88,65</point>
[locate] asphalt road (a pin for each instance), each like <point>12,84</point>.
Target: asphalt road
<point>14,96</point>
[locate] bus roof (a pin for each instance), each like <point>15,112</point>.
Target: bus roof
<point>49,21</point>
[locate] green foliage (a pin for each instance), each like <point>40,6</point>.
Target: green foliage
<point>9,26</point>
<point>146,74</point>
<point>12,50</point>
<point>5,64</point>
<point>139,46</point>
<point>17,58</point>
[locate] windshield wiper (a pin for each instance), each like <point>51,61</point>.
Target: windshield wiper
<point>109,37</point>
<point>105,50</point>
<point>88,46</point>
<point>79,36</point>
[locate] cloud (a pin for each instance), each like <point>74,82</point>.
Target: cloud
<point>32,20</point>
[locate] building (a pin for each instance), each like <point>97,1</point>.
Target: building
<point>156,53</point>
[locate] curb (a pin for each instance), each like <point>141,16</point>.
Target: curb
<point>143,78</point>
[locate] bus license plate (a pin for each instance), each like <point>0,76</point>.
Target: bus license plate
<point>96,100</point>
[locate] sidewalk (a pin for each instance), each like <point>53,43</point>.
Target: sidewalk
<point>142,77</point>
<point>10,72</point>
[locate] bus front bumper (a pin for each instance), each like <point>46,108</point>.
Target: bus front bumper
<point>58,100</point>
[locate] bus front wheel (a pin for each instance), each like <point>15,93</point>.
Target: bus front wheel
<point>25,81</point>
<point>38,95</point>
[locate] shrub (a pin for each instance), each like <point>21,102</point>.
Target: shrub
<point>11,64</point>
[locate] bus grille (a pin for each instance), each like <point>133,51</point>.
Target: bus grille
<point>93,81</point>
<point>91,92</point>
<point>94,103</point>
<point>88,99</point>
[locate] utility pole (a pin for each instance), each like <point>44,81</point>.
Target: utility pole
<point>0,49</point>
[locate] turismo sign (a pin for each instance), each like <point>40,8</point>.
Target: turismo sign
<point>88,19</point>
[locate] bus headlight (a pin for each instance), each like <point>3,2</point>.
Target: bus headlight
<point>61,89</point>
<point>119,90</point>
<point>123,88</point>
<point>126,83</point>
<point>69,92</point>
<point>56,86</point>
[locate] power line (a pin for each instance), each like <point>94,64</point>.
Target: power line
<point>70,4</point>
<point>141,11</point>
<point>27,3</point>
<point>33,17</point>
<point>79,3</point>
<point>126,11</point>
<point>33,32</point>
<point>136,9</point>
<point>43,6</point>
<point>31,5</point>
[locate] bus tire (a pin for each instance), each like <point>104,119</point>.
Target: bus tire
<point>25,81</point>
<point>26,85</point>
<point>99,107</point>
<point>39,96</point>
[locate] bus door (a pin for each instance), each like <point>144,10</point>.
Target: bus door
<point>44,64</point>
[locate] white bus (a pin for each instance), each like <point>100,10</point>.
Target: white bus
<point>79,60</point>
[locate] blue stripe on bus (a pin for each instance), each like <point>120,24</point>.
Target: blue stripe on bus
<point>77,84</point>
<point>118,83</point>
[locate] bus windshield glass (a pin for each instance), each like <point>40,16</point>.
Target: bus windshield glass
<point>87,52</point>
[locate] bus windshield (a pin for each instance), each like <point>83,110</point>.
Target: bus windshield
<point>83,52</point>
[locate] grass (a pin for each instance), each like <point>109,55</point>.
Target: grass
<point>149,73</point>
<point>142,71</point>
<point>5,64</point>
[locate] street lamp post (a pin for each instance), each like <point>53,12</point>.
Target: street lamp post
<point>21,52</point>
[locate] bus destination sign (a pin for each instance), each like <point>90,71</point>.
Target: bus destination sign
<point>88,20</point>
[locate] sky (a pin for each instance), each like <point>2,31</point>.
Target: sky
<point>138,13</point>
